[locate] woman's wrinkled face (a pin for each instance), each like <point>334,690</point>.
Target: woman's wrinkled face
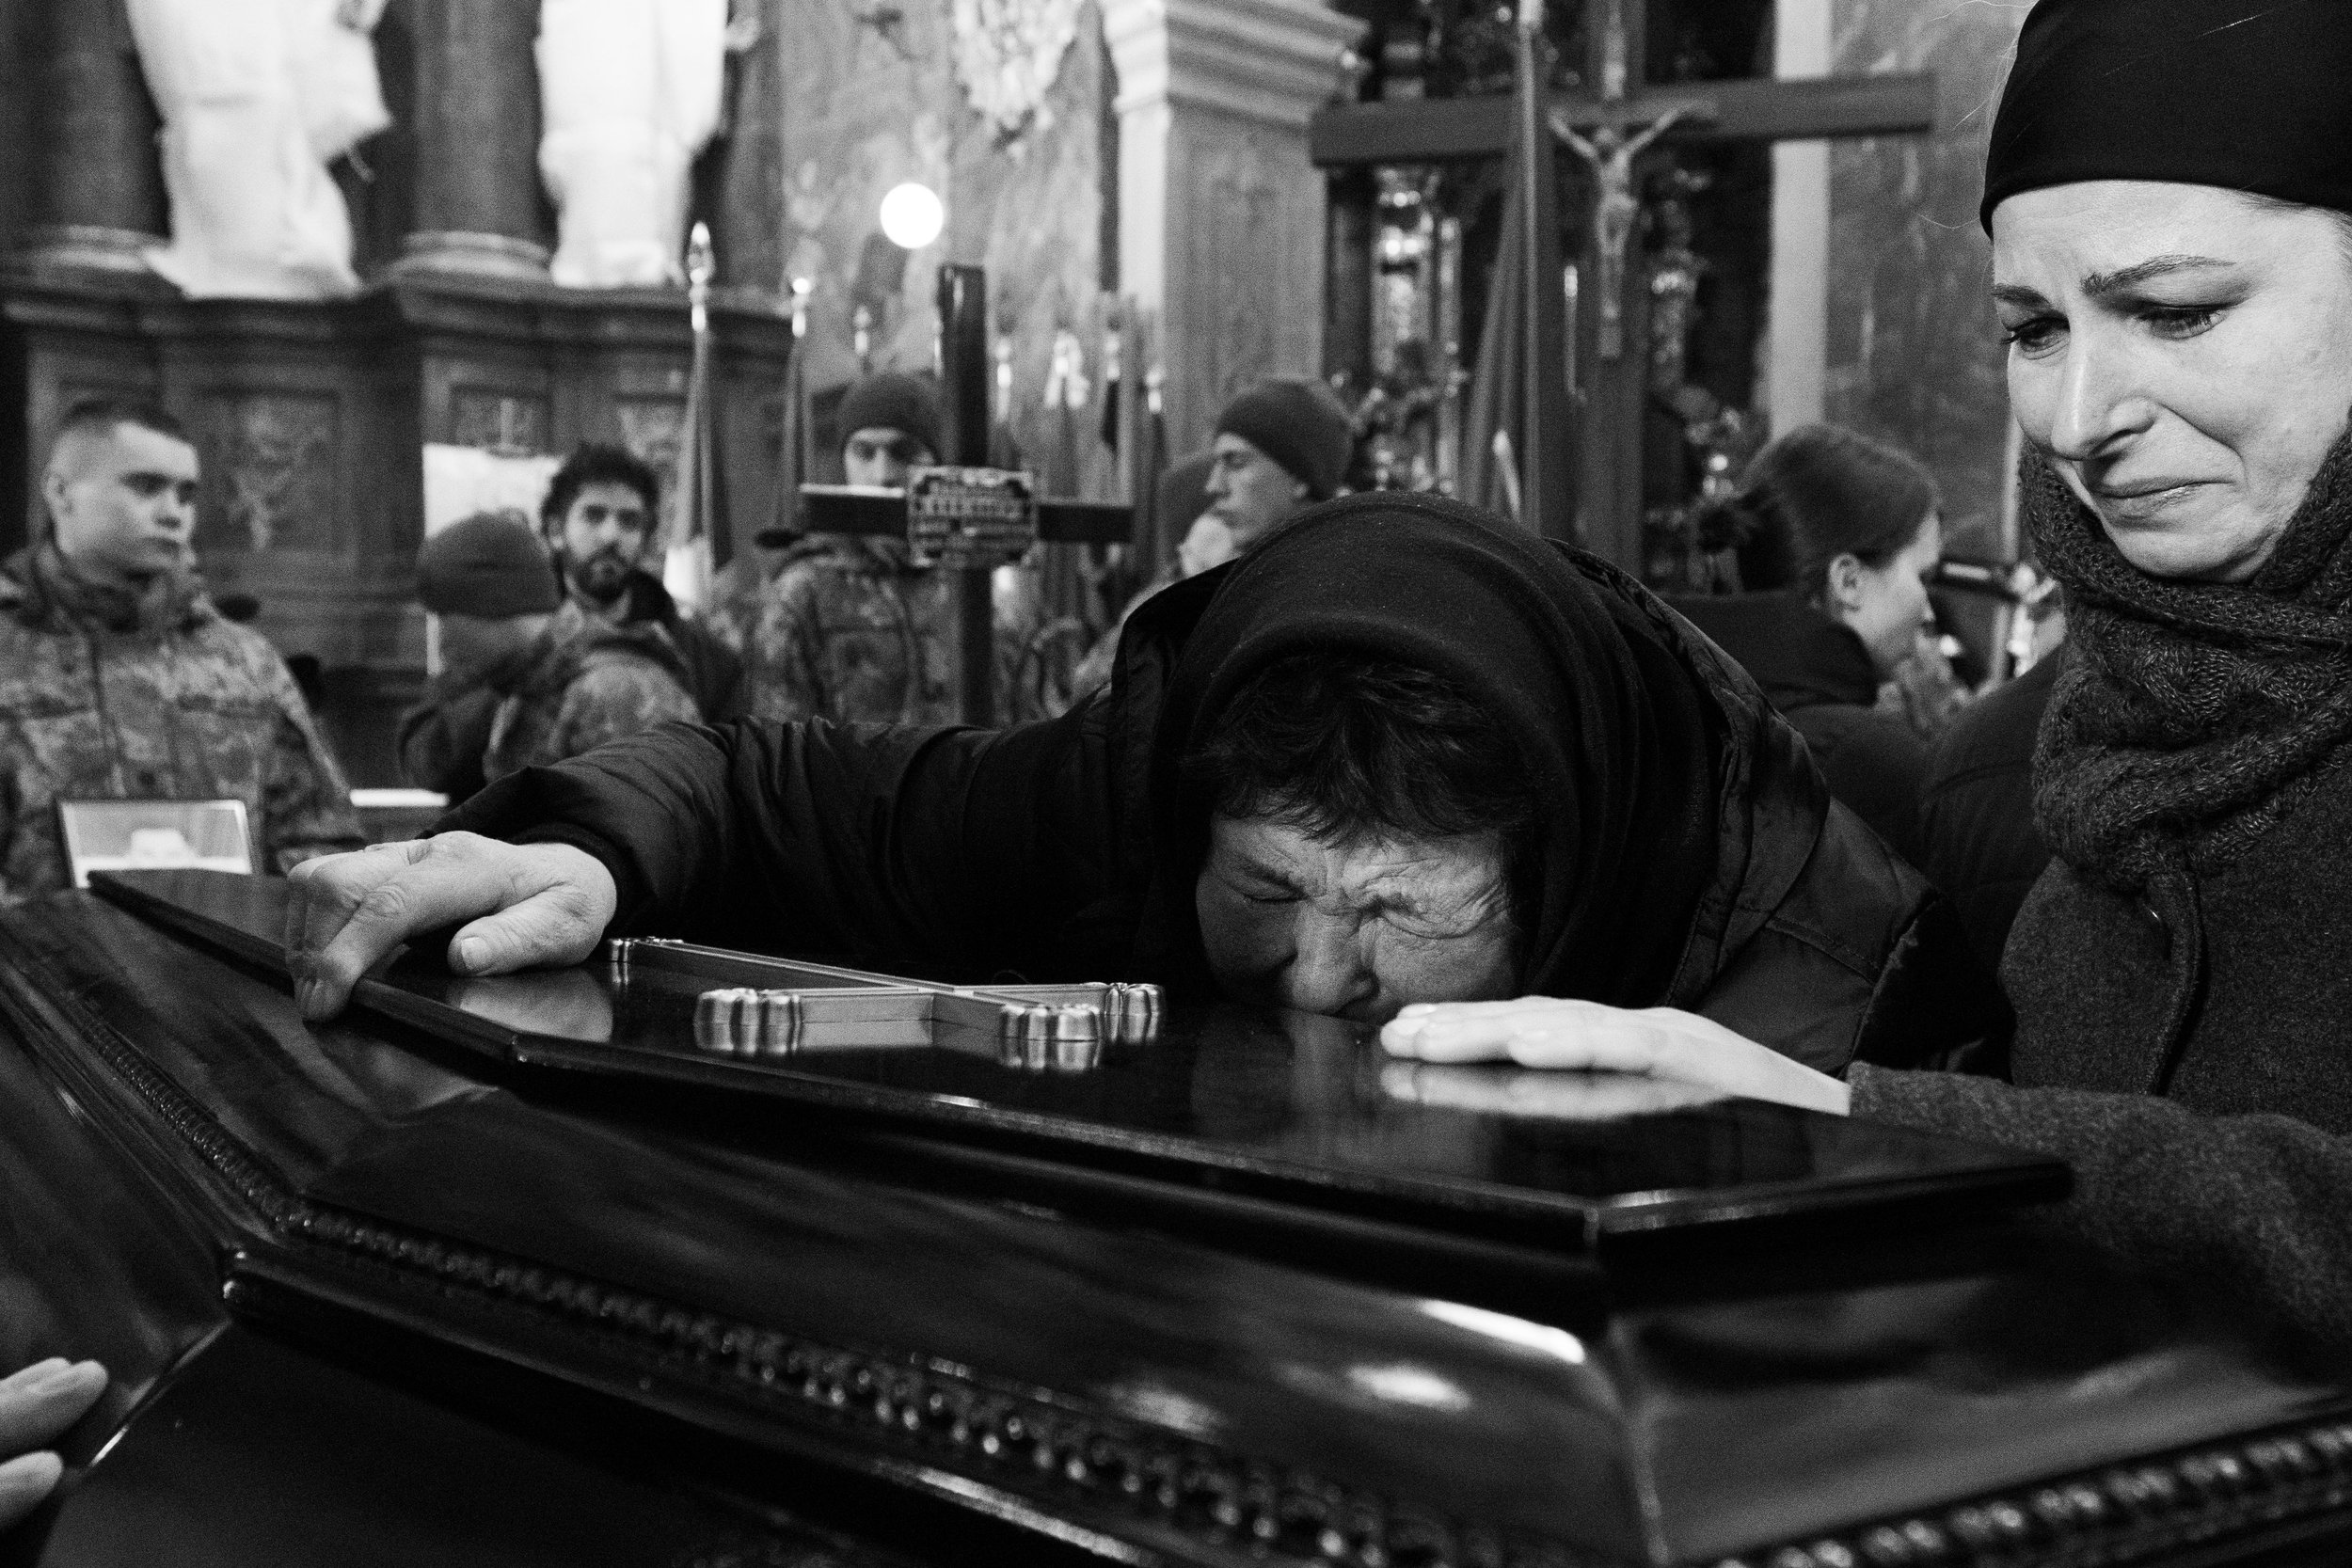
<point>2183,354</point>
<point>1354,930</point>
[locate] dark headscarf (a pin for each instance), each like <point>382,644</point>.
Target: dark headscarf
<point>2248,95</point>
<point>1609,700</point>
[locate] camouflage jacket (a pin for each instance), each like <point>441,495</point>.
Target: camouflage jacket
<point>443,739</point>
<point>847,632</point>
<point>104,699</point>
<point>589,683</point>
<point>737,592</point>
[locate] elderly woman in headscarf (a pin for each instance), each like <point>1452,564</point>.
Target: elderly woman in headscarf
<point>2167,194</point>
<point>1400,752</point>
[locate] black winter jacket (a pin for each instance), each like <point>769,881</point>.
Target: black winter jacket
<point>971,855</point>
<point>1977,841</point>
<point>1818,675</point>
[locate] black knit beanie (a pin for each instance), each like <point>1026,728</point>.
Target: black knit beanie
<point>892,401</point>
<point>491,565</point>
<point>2248,95</point>
<point>1300,424</point>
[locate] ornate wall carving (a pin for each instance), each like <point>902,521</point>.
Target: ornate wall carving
<point>499,419</point>
<point>653,428</point>
<point>270,464</point>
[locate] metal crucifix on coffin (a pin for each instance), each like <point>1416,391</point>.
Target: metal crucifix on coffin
<point>775,1009</point>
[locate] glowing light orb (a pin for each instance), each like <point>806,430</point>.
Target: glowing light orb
<point>912,216</point>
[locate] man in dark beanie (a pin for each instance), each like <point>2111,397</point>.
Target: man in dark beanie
<point>850,630</point>
<point>554,678</point>
<point>1280,447</point>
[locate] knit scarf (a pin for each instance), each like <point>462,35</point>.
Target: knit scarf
<point>2192,715</point>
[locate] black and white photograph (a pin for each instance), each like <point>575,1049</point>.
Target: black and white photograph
<point>1176,783</point>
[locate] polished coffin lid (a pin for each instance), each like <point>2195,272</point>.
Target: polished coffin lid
<point>1132,1394</point>
<point>1304,1111</point>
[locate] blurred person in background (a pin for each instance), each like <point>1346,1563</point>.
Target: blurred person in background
<point>598,520</point>
<point>1836,535</point>
<point>561,679</point>
<point>849,628</point>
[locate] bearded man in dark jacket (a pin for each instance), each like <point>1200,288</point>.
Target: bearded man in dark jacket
<point>1402,753</point>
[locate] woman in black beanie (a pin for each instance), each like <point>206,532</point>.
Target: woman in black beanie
<point>2168,192</point>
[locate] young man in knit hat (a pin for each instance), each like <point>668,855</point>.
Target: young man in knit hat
<point>1280,447</point>
<point>124,681</point>
<point>560,680</point>
<point>850,629</point>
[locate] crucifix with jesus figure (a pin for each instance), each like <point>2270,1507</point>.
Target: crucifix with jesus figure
<point>1574,440</point>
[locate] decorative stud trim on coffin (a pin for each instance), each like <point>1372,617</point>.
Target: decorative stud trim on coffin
<point>1041,1443</point>
<point>2123,1514</point>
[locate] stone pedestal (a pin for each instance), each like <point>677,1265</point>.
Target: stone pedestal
<point>478,209</point>
<point>1221,213</point>
<point>95,195</point>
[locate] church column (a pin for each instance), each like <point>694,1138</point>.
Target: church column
<point>745,200</point>
<point>1222,216</point>
<point>96,175</point>
<point>1796,366</point>
<point>478,210</point>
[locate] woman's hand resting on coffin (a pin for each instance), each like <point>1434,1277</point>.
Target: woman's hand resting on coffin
<point>525,904</point>
<point>36,1405</point>
<point>1651,1042</point>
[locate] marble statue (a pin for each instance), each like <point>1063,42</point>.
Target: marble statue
<point>257,98</point>
<point>631,91</point>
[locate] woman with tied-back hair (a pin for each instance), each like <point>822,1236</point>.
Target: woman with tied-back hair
<point>1834,536</point>
<point>2169,192</point>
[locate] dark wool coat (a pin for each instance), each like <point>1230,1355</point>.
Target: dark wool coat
<point>2233,992</point>
<point>1818,675</point>
<point>967,854</point>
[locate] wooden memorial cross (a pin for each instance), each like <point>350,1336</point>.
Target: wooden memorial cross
<point>963,516</point>
<point>1599,497</point>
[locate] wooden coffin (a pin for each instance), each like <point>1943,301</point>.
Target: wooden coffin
<point>526,1271</point>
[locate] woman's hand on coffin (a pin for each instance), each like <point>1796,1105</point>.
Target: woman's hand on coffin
<point>525,904</point>
<point>1651,1042</point>
<point>36,1405</point>
<point>1533,1095</point>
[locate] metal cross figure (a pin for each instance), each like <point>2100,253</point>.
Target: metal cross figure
<point>1612,154</point>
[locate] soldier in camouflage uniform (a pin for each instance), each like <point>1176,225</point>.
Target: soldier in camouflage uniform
<point>118,680</point>
<point>587,683</point>
<point>561,679</point>
<point>850,630</point>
